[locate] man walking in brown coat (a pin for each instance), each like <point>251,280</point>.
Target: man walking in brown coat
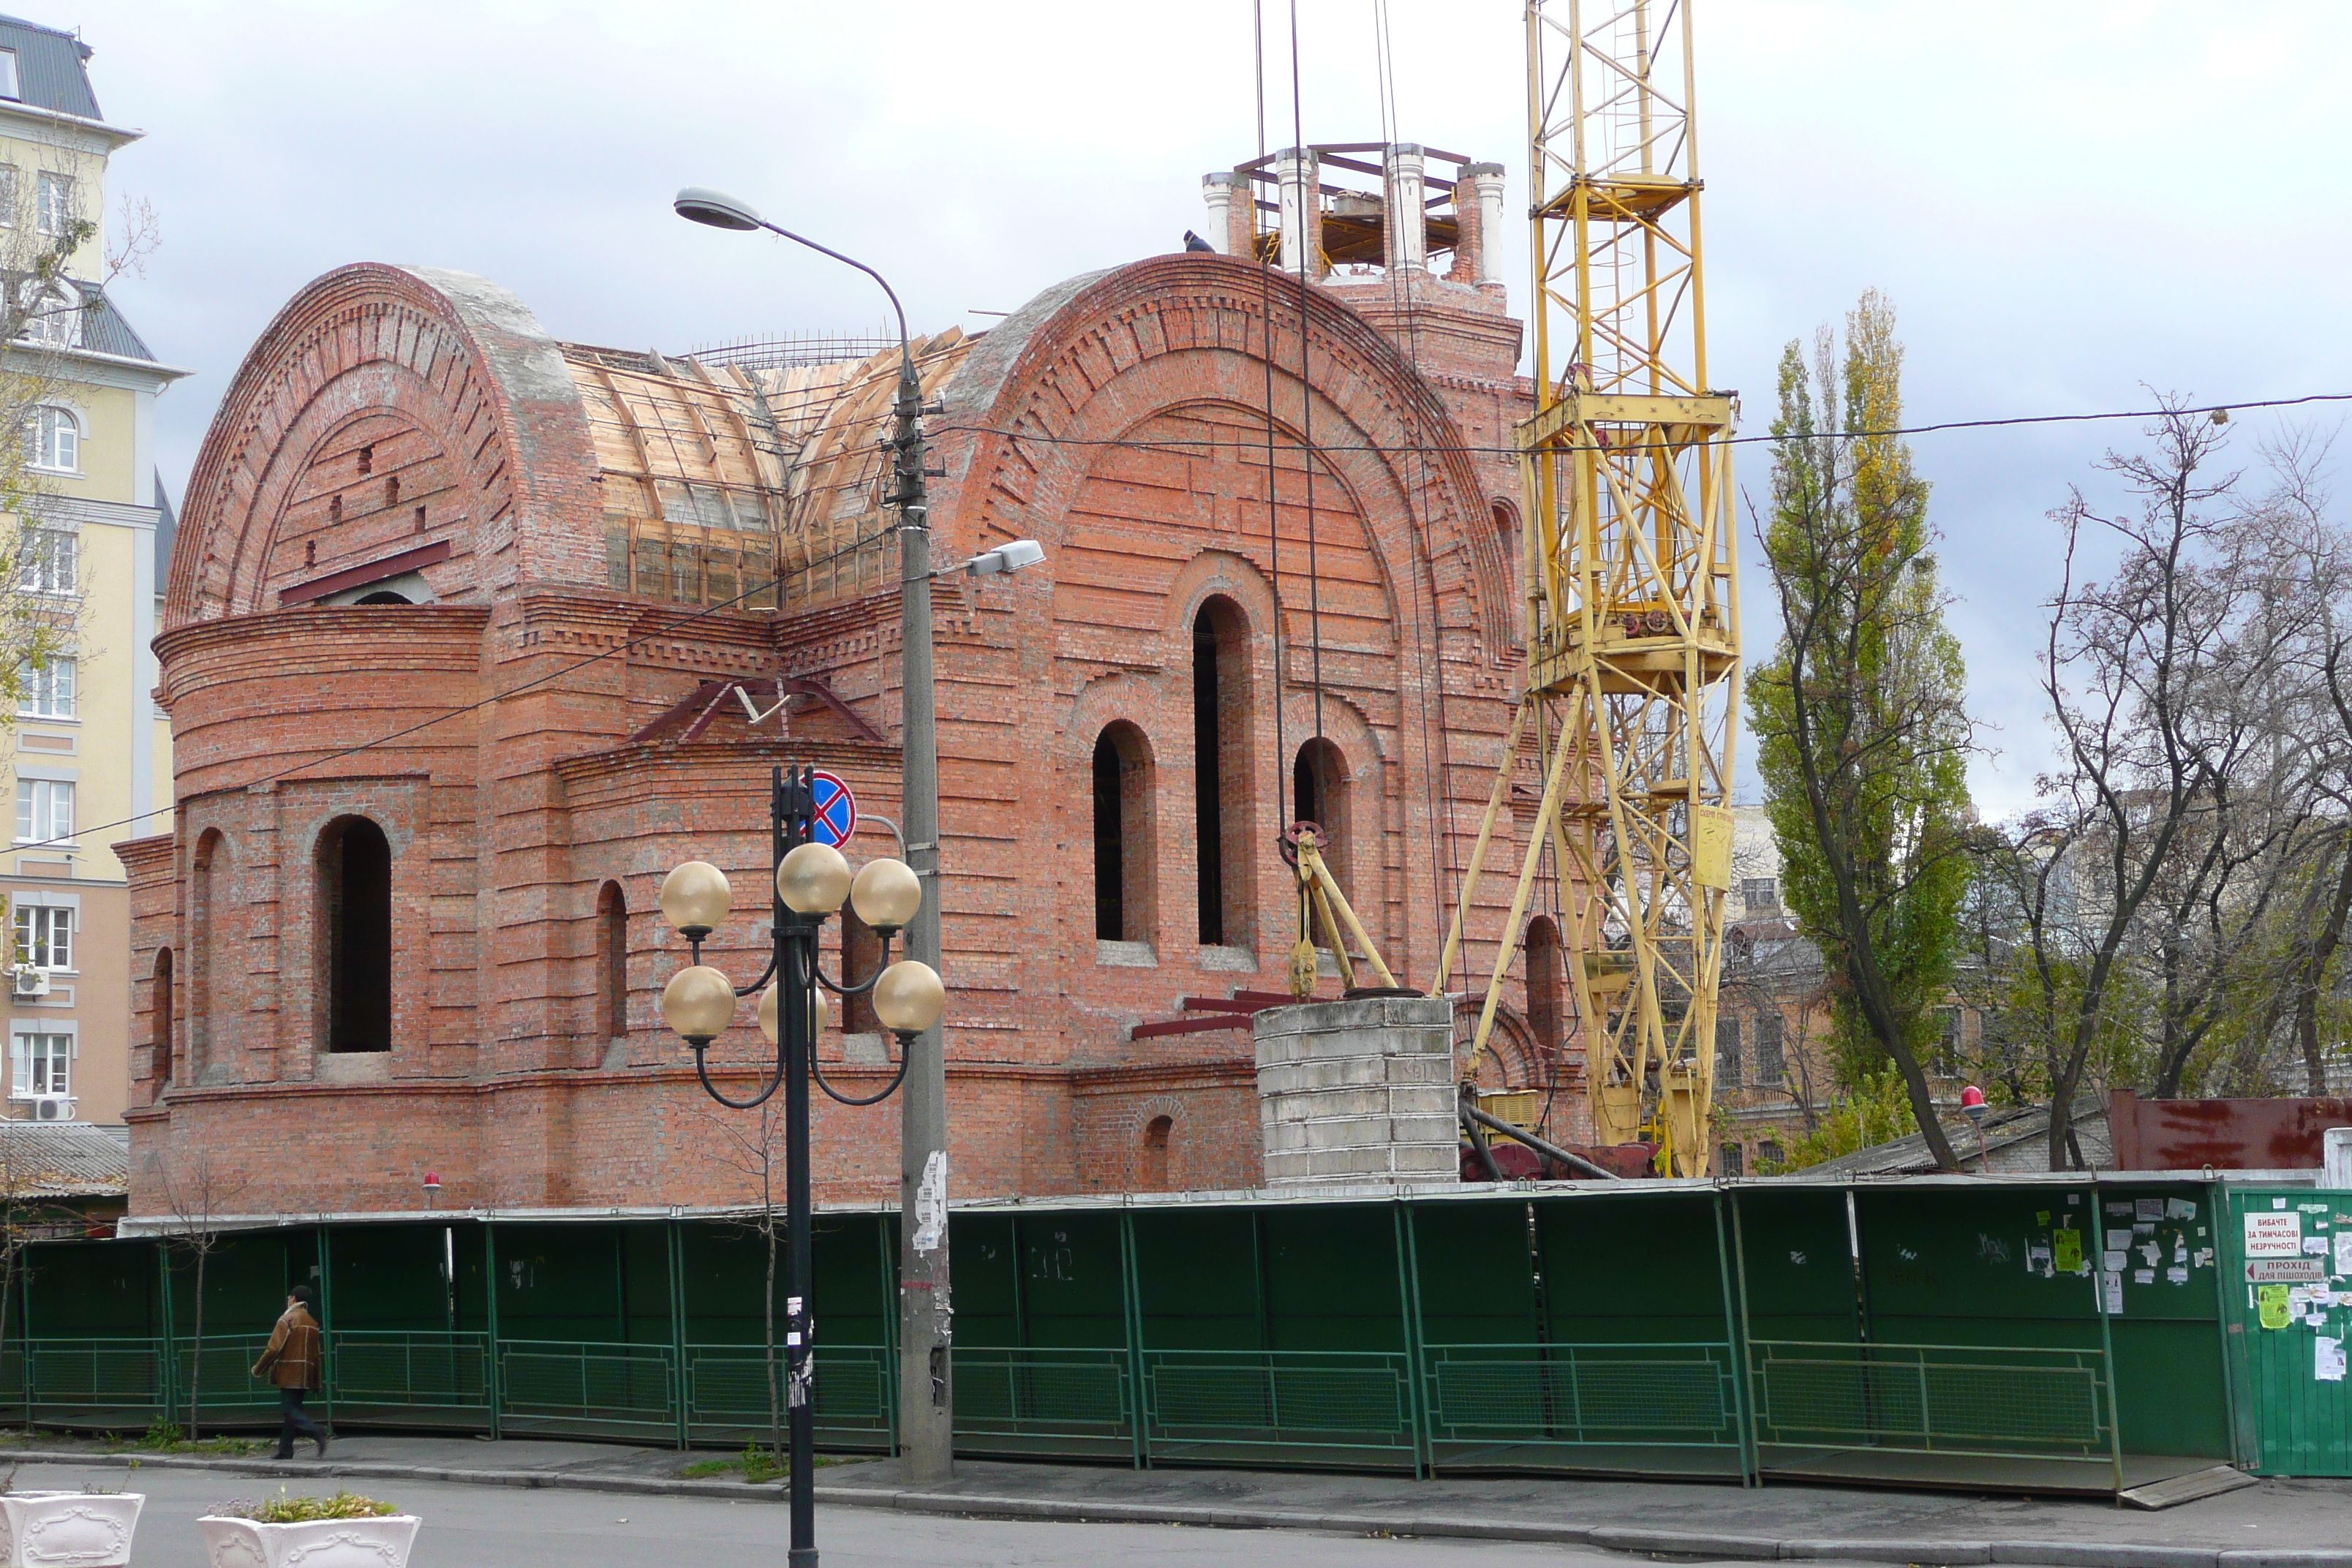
<point>292,1363</point>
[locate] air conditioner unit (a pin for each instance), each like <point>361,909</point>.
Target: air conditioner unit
<point>30,979</point>
<point>53,1110</point>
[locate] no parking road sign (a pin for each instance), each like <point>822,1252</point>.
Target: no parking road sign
<point>834,808</point>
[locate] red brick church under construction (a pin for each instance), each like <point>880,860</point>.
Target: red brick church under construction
<point>458,616</point>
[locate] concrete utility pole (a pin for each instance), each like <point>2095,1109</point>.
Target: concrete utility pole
<point>926,1314</point>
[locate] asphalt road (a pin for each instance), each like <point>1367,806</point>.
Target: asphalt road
<point>500,1527</point>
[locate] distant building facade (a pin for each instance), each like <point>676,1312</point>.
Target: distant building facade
<point>461,620</point>
<point>87,751</point>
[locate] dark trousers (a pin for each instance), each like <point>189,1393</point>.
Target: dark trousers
<point>294,1419</point>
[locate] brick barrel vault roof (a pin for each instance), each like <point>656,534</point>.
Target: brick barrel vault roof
<point>459,351</point>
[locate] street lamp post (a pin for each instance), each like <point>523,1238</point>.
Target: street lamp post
<point>809,882</point>
<point>926,1400</point>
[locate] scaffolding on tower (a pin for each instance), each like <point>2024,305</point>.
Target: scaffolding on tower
<point>1632,614</point>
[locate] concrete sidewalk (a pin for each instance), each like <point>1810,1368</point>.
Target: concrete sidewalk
<point>2274,1524</point>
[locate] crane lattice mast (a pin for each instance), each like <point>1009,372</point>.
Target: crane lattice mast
<point>1631,615</point>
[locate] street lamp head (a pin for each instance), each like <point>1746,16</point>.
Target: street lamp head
<point>910,998</point>
<point>699,203</point>
<point>771,1018</point>
<point>1010,556</point>
<point>699,1003</point>
<point>813,879</point>
<point>886,895</point>
<point>695,897</point>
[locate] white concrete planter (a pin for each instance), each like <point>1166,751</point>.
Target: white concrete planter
<point>319,1543</point>
<point>54,1530</point>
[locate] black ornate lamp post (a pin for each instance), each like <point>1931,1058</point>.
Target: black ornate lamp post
<point>810,882</point>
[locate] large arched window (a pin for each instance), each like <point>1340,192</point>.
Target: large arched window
<point>159,1053</point>
<point>612,963</point>
<point>1318,781</point>
<point>355,881</point>
<point>1545,980</point>
<point>1123,848</point>
<point>210,875</point>
<point>1220,771</point>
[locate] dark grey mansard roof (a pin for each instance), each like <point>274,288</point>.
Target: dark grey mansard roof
<point>49,71</point>
<point>103,329</point>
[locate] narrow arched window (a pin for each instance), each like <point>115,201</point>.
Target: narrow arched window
<point>160,1006</point>
<point>861,952</point>
<point>611,961</point>
<point>1123,853</point>
<point>1221,770</point>
<point>1151,1168</point>
<point>1318,781</point>
<point>210,875</point>
<point>1545,980</point>
<point>354,880</point>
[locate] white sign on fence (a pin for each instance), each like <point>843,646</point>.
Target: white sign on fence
<point>2272,1232</point>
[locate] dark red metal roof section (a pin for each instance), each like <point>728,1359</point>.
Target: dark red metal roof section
<point>374,572</point>
<point>2226,1135</point>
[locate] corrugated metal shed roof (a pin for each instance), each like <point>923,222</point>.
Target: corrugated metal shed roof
<point>49,72</point>
<point>65,1159</point>
<point>2015,1143</point>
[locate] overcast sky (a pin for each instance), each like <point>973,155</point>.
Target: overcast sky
<point>2069,202</point>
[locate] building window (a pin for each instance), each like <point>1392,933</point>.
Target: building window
<point>1735,1161</point>
<point>53,204</point>
<point>46,690</point>
<point>8,88</point>
<point>861,953</point>
<point>211,917</point>
<point>54,317</point>
<point>8,196</point>
<point>1123,857</point>
<point>1759,896</point>
<point>1220,769</point>
<point>1728,1064</point>
<point>1318,781</point>
<point>1545,980</point>
<point>48,561</point>
<point>52,436</point>
<point>613,960</point>
<point>1151,1170</point>
<point>1769,1064</point>
<point>45,811</point>
<point>44,936</point>
<point>1767,1156</point>
<point>355,907</point>
<point>42,1063</point>
<point>1948,1041</point>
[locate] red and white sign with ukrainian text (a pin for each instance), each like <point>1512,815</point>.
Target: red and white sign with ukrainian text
<point>2275,1233</point>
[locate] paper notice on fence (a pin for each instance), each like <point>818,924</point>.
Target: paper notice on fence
<point>2271,1301</point>
<point>2328,1359</point>
<point>2148,1208</point>
<point>2115,1285</point>
<point>2274,1234</point>
<point>2143,1276</point>
<point>2177,1276</point>
<point>2066,1251</point>
<point>2343,1253</point>
<point>2180,1208</point>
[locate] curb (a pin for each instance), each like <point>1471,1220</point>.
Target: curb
<point>1914,1551</point>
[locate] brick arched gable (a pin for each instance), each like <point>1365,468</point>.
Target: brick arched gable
<point>1026,415</point>
<point>451,372</point>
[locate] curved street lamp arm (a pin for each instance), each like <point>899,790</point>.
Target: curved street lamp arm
<point>905,1056</point>
<point>851,261</point>
<point>817,972</point>
<point>702,1071</point>
<point>765,976</point>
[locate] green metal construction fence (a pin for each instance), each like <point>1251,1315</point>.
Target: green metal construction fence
<point>1961,1331</point>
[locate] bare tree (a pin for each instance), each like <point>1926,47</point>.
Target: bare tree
<point>46,314</point>
<point>752,1146</point>
<point>196,1195</point>
<point>2168,816</point>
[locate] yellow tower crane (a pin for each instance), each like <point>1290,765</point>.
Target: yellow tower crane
<point>1632,614</point>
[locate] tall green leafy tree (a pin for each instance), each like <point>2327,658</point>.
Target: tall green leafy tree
<point>1861,725</point>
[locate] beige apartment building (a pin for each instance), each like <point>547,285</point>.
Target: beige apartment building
<point>87,752</point>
